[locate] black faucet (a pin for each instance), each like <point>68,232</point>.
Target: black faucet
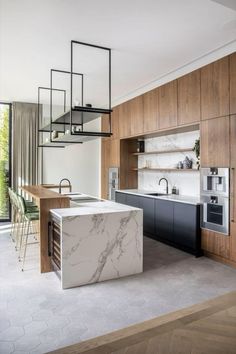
<point>65,179</point>
<point>167,188</point>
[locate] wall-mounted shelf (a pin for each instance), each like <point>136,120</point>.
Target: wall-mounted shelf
<point>162,152</point>
<point>166,169</point>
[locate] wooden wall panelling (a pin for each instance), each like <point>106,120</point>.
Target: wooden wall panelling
<point>124,120</point>
<point>128,162</point>
<point>115,122</point>
<point>232,80</point>
<point>105,124</point>
<point>214,140</point>
<point>135,114</point>
<point>150,111</point>
<point>189,98</point>
<point>167,98</point>
<point>215,89</point>
<point>104,167</point>
<point>215,243</point>
<point>233,186</point>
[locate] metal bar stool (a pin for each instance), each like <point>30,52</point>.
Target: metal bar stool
<point>29,215</point>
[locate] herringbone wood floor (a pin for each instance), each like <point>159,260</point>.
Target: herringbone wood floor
<point>207,328</point>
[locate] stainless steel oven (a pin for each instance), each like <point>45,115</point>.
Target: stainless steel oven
<point>215,199</point>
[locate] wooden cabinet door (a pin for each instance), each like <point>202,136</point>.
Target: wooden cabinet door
<point>135,113</point>
<point>215,142</point>
<point>104,168</point>
<point>114,154</point>
<point>215,89</point>
<point>215,243</point>
<point>232,65</point>
<point>124,120</point>
<point>233,186</point>
<point>167,95</point>
<point>189,98</point>
<point>150,111</point>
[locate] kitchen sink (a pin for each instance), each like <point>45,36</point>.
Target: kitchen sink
<point>156,194</point>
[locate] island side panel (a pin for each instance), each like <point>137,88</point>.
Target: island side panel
<point>99,247</point>
<point>45,206</point>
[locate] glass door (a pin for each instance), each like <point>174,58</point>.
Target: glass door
<point>5,160</point>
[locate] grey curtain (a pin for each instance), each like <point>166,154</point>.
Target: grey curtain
<point>26,157</point>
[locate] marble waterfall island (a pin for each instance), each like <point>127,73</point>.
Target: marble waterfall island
<point>99,241</point>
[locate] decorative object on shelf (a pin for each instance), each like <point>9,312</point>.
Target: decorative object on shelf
<point>180,165</point>
<point>187,163</point>
<point>140,146</point>
<point>196,149</point>
<point>88,105</point>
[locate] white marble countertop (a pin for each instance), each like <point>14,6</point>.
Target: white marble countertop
<point>171,197</point>
<point>91,208</point>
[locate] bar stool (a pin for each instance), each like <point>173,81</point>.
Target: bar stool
<point>29,215</point>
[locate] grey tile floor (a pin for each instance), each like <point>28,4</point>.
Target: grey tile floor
<point>37,316</point>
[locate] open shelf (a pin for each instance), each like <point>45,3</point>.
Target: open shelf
<point>162,152</point>
<point>166,169</point>
<point>80,115</point>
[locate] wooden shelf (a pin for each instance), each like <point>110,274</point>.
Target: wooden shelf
<point>162,152</point>
<point>167,169</point>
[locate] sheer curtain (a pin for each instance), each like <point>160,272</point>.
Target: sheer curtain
<point>26,156</point>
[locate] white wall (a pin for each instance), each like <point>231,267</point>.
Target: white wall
<point>188,183</point>
<point>80,163</point>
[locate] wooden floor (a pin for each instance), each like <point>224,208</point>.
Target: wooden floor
<point>206,328</point>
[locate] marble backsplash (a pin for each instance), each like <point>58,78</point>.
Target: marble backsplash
<point>188,183</point>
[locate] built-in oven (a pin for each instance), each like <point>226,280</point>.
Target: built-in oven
<point>215,199</point>
<point>54,244</point>
<point>216,213</point>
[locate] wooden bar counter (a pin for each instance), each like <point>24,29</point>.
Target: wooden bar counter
<point>45,200</point>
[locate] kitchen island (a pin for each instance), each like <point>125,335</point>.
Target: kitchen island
<point>96,241</point>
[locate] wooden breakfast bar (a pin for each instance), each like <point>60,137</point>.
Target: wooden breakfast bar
<point>46,200</point>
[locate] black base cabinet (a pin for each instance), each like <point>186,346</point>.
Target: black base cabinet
<point>174,223</point>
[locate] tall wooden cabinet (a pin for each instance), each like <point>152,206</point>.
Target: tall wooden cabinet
<point>189,98</point>
<point>151,111</point>
<point>168,105</point>
<point>233,186</point>
<point>232,66</point>
<point>135,115</point>
<point>215,89</point>
<point>215,144</point>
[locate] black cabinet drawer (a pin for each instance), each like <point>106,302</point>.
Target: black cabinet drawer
<point>132,200</point>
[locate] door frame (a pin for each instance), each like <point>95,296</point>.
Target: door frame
<point>9,155</point>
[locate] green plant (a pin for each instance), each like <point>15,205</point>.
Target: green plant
<point>196,149</point>
<point>4,156</point>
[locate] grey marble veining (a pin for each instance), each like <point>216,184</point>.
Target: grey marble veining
<point>100,241</point>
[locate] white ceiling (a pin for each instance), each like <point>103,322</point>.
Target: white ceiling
<point>149,39</point>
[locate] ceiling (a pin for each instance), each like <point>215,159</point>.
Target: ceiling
<point>149,39</point>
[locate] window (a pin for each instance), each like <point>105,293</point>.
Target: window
<point>5,160</point>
